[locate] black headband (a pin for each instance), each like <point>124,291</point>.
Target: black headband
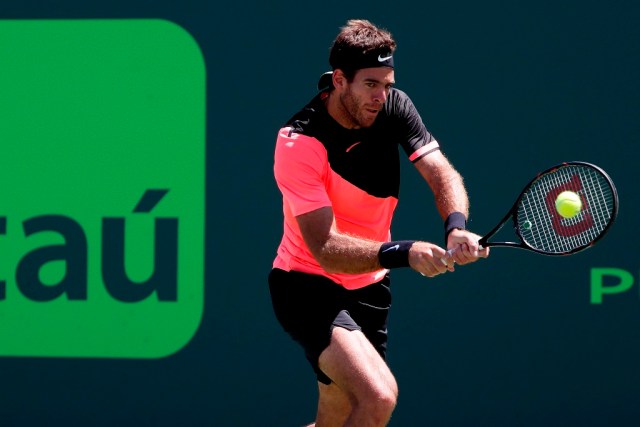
<point>351,61</point>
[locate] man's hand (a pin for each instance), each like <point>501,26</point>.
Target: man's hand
<point>464,247</point>
<point>429,259</point>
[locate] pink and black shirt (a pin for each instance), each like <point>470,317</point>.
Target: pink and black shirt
<point>356,172</point>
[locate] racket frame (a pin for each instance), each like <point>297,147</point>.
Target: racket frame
<point>513,214</point>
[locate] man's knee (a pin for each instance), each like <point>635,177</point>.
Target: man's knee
<point>382,397</point>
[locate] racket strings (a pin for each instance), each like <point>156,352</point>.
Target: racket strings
<point>540,225</point>
<point>541,234</point>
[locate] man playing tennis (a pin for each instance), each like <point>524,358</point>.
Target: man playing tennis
<point>337,166</point>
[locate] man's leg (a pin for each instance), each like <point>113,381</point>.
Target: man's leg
<point>362,383</point>
<point>334,406</point>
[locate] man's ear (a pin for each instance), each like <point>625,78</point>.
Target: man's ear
<point>339,79</point>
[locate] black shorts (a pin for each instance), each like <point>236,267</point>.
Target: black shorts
<point>309,306</point>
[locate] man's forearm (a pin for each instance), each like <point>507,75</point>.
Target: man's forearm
<point>446,184</point>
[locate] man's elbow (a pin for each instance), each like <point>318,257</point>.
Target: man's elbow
<point>326,261</point>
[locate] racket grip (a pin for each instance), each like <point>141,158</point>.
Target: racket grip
<point>450,252</point>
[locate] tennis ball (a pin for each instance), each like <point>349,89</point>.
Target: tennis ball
<point>568,204</point>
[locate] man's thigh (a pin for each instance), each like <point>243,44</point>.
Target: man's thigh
<point>354,365</point>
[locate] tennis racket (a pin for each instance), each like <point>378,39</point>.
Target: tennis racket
<point>540,228</point>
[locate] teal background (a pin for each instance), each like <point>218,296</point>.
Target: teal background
<point>508,88</point>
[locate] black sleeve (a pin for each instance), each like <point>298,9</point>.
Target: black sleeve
<point>415,139</point>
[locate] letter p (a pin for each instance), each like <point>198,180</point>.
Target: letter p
<point>598,287</point>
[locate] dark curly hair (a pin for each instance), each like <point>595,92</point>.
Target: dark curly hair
<point>357,39</point>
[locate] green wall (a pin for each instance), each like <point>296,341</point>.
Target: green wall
<point>508,88</point>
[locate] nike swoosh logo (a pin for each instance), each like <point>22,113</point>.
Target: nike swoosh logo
<point>394,247</point>
<point>382,59</point>
<point>349,149</point>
